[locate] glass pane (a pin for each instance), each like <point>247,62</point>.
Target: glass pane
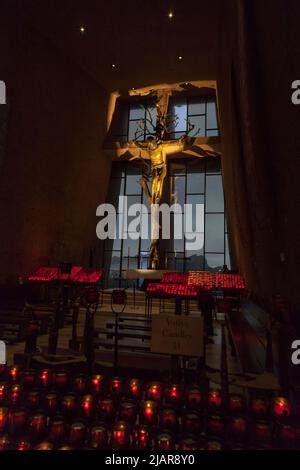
<point>194,262</point>
<point>179,110</point>
<point>194,253</point>
<point>151,116</point>
<point>132,184</point>
<point>214,233</point>
<point>177,135</point>
<point>214,194</point>
<point>227,252</point>
<point>211,122</point>
<point>199,126</point>
<point>129,263</point>
<point>212,133</point>
<point>144,259</point>
<point>178,196</point>
<point>136,130</point>
<point>214,262</point>
<point>196,212</point>
<point>196,106</point>
<point>112,264</point>
<point>130,247</point>
<point>195,182</point>
<point>136,112</point>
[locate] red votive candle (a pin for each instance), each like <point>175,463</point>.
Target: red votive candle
<point>3,392</point>
<point>192,423</point>
<point>128,411</point>
<point>44,446</point>
<point>193,397</point>
<point>14,373</point>
<point>154,391</point>
<point>262,432</point>
<point>28,377</point>
<point>57,430</point>
<point>287,435</point>
<point>77,434</point>
<point>45,378</point>
<point>164,441</point>
<point>65,447</point>
<point>68,404</point>
<point>61,379</point>
<point>141,438</point>
<point>281,407</point>
<point>238,427</point>
<point>168,419</point>
<point>33,399</point>
<point>120,437</point>
<point>15,394</point>
<point>149,412</point>
<point>3,419</point>
<point>216,425</point>
<point>173,394</point>
<point>134,388</point>
<point>259,406</point>
<point>115,387</point>
<point>5,442</point>
<point>17,421</point>
<point>96,384</point>
<point>188,443</point>
<point>79,384</point>
<point>236,403</point>
<point>106,409</point>
<point>51,403</point>
<point>38,424</point>
<point>214,399</point>
<point>87,406</point>
<point>99,437</point>
<point>23,444</point>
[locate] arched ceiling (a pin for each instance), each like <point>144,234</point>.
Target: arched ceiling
<point>135,35</point>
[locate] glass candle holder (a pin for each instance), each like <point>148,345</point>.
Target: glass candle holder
<point>79,384</point>
<point>213,445</point>
<point>14,373</point>
<point>23,444</point>
<point>287,436</point>
<point>215,399</point>
<point>17,421</point>
<point>238,427</point>
<point>57,429</point>
<point>141,437</point>
<point>216,425</point>
<point>5,442</point>
<point>192,422</point>
<point>128,411</point>
<point>168,419</point>
<point>28,377</point>
<point>120,436</point>
<point>68,404</point>
<point>188,443</point>
<point>51,403</point>
<point>87,406</point>
<point>116,387</point>
<point>236,403</point>
<point>32,399</point>
<point>154,391</point>
<point>3,392</point>
<point>281,407</point>
<point>259,406</point>
<point>45,378</point>
<point>3,419</point>
<point>77,434</point>
<point>96,384</point>
<point>38,425</point>
<point>194,397</point>
<point>44,446</point>
<point>61,379</point>
<point>106,409</point>
<point>15,394</point>
<point>65,447</point>
<point>134,388</point>
<point>262,432</point>
<point>173,394</point>
<point>149,412</point>
<point>164,441</point>
<point>99,437</point>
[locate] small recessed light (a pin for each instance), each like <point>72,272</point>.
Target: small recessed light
<point>170,14</point>
<point>82,29</point>
<point>113,66</point>
<point>133,88</point>
<point>180,57</point>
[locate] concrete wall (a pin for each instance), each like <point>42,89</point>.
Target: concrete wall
<point>53,174</point>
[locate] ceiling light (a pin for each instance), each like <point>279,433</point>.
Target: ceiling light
<point>170,14</point>
<point>82,29</point>
<point>180,57</point>
<point>113,66</point>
